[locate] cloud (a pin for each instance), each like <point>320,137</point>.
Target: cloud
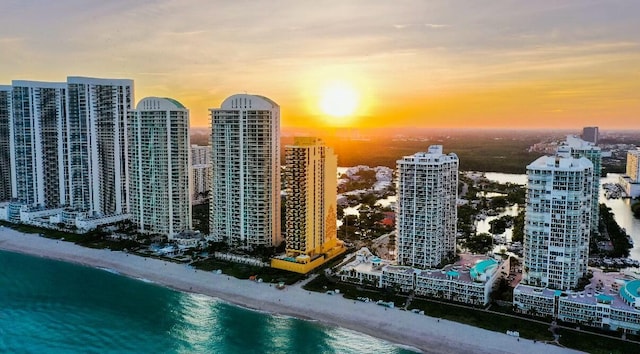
<point>434,25</point>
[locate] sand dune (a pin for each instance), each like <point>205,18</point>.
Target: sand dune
<point>422,332</point>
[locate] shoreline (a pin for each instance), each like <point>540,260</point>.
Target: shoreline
<point>403,328</point>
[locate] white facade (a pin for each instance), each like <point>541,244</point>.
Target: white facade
<point>557,220</point>
<point>581,148</point>
<point>310,179</point>
<point>97,130</point>
<point>38,142</point>
<point>159,172</point>
<point>469,280</point>
<point>605,308</point>
<point>426,208</point>
<point>201,171</point>
<point>245,189</point>
<point>6,113</point>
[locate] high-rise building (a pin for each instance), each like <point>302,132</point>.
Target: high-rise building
<point>426,208</point>
<point>557,220</point>
<point>633,165</point>
<point>310,180</point>
<point>630,182</point>
<point>5,148</point>
<point>201,171</point>
<point>97,117</point>
<point>582,148</point>
<point>38,144</point>
<point>159,173</point>
<point>590,134</point>
<point>245,156</point>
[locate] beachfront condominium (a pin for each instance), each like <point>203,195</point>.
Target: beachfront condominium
<point>426,208</point>
<point>38,142</point>
<point>557,220</point>
<point>159,166</point>
<point>245,157</point>
<point>591,134</point>
<point>97,130</point>
<point>583,148</point>
<point>201,171</point>
<point>5,149</point>
<point>310,181</point>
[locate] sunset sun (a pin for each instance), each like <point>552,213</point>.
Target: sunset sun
<point>339,100</point>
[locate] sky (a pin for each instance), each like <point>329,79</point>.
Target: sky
<point>441,64</point>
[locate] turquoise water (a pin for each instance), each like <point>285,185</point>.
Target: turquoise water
<point>48,306</point>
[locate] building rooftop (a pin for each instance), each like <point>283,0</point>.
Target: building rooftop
<point>608,288</point>
<point>469,269</point>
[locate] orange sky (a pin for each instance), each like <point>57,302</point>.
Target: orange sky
<point>497,64</point>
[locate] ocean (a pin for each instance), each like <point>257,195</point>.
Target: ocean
<point>48,306</point>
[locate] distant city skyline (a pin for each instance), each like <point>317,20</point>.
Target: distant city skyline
<point>425,64</point>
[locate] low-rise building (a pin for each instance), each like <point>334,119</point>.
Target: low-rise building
<point>613,304</point>
<point>461,283</point>
<point>364,269</point>
<point>470,280</point>
<point>402,278</point>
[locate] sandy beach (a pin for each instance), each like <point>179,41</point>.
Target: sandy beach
<point>403,327</point>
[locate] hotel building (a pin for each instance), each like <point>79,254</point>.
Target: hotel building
<point>426,208</point>
<point>245,158</point>
<point>581,148</point>
<point>201,172</point>
<point>557,220</point>
<point>38,143</point>
<point>97,130</point>
<point>5,149</point>
<point>311,198</point>
<point>159,171</point>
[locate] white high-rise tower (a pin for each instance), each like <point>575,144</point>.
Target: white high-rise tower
<point>582,148</point>
<point>97,133</point>
<point>557,220</point>
<point>38,144</point>
<point>426,209</point>
<point>159,166</point>
<point>245,189</point>
<point>201,171</point>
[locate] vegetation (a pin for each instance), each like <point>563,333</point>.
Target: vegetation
<point>595,344</point>
<point>518,227</point>
<point>610,228</point>
<point>466,217</point>
<point>363,179</point>
<point>201,218</point>
<point>97,238</point>
<point>244,271</point>
<point>503,291</point>
<point>477,151</point>
<point>480,243</point>
<point>635,208</point>
<point>365,226</point>
<point>500,225</point>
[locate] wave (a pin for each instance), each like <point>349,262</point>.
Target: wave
<point>112,271</point>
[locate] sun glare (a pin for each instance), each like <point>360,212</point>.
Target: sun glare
<point>339,100</point>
